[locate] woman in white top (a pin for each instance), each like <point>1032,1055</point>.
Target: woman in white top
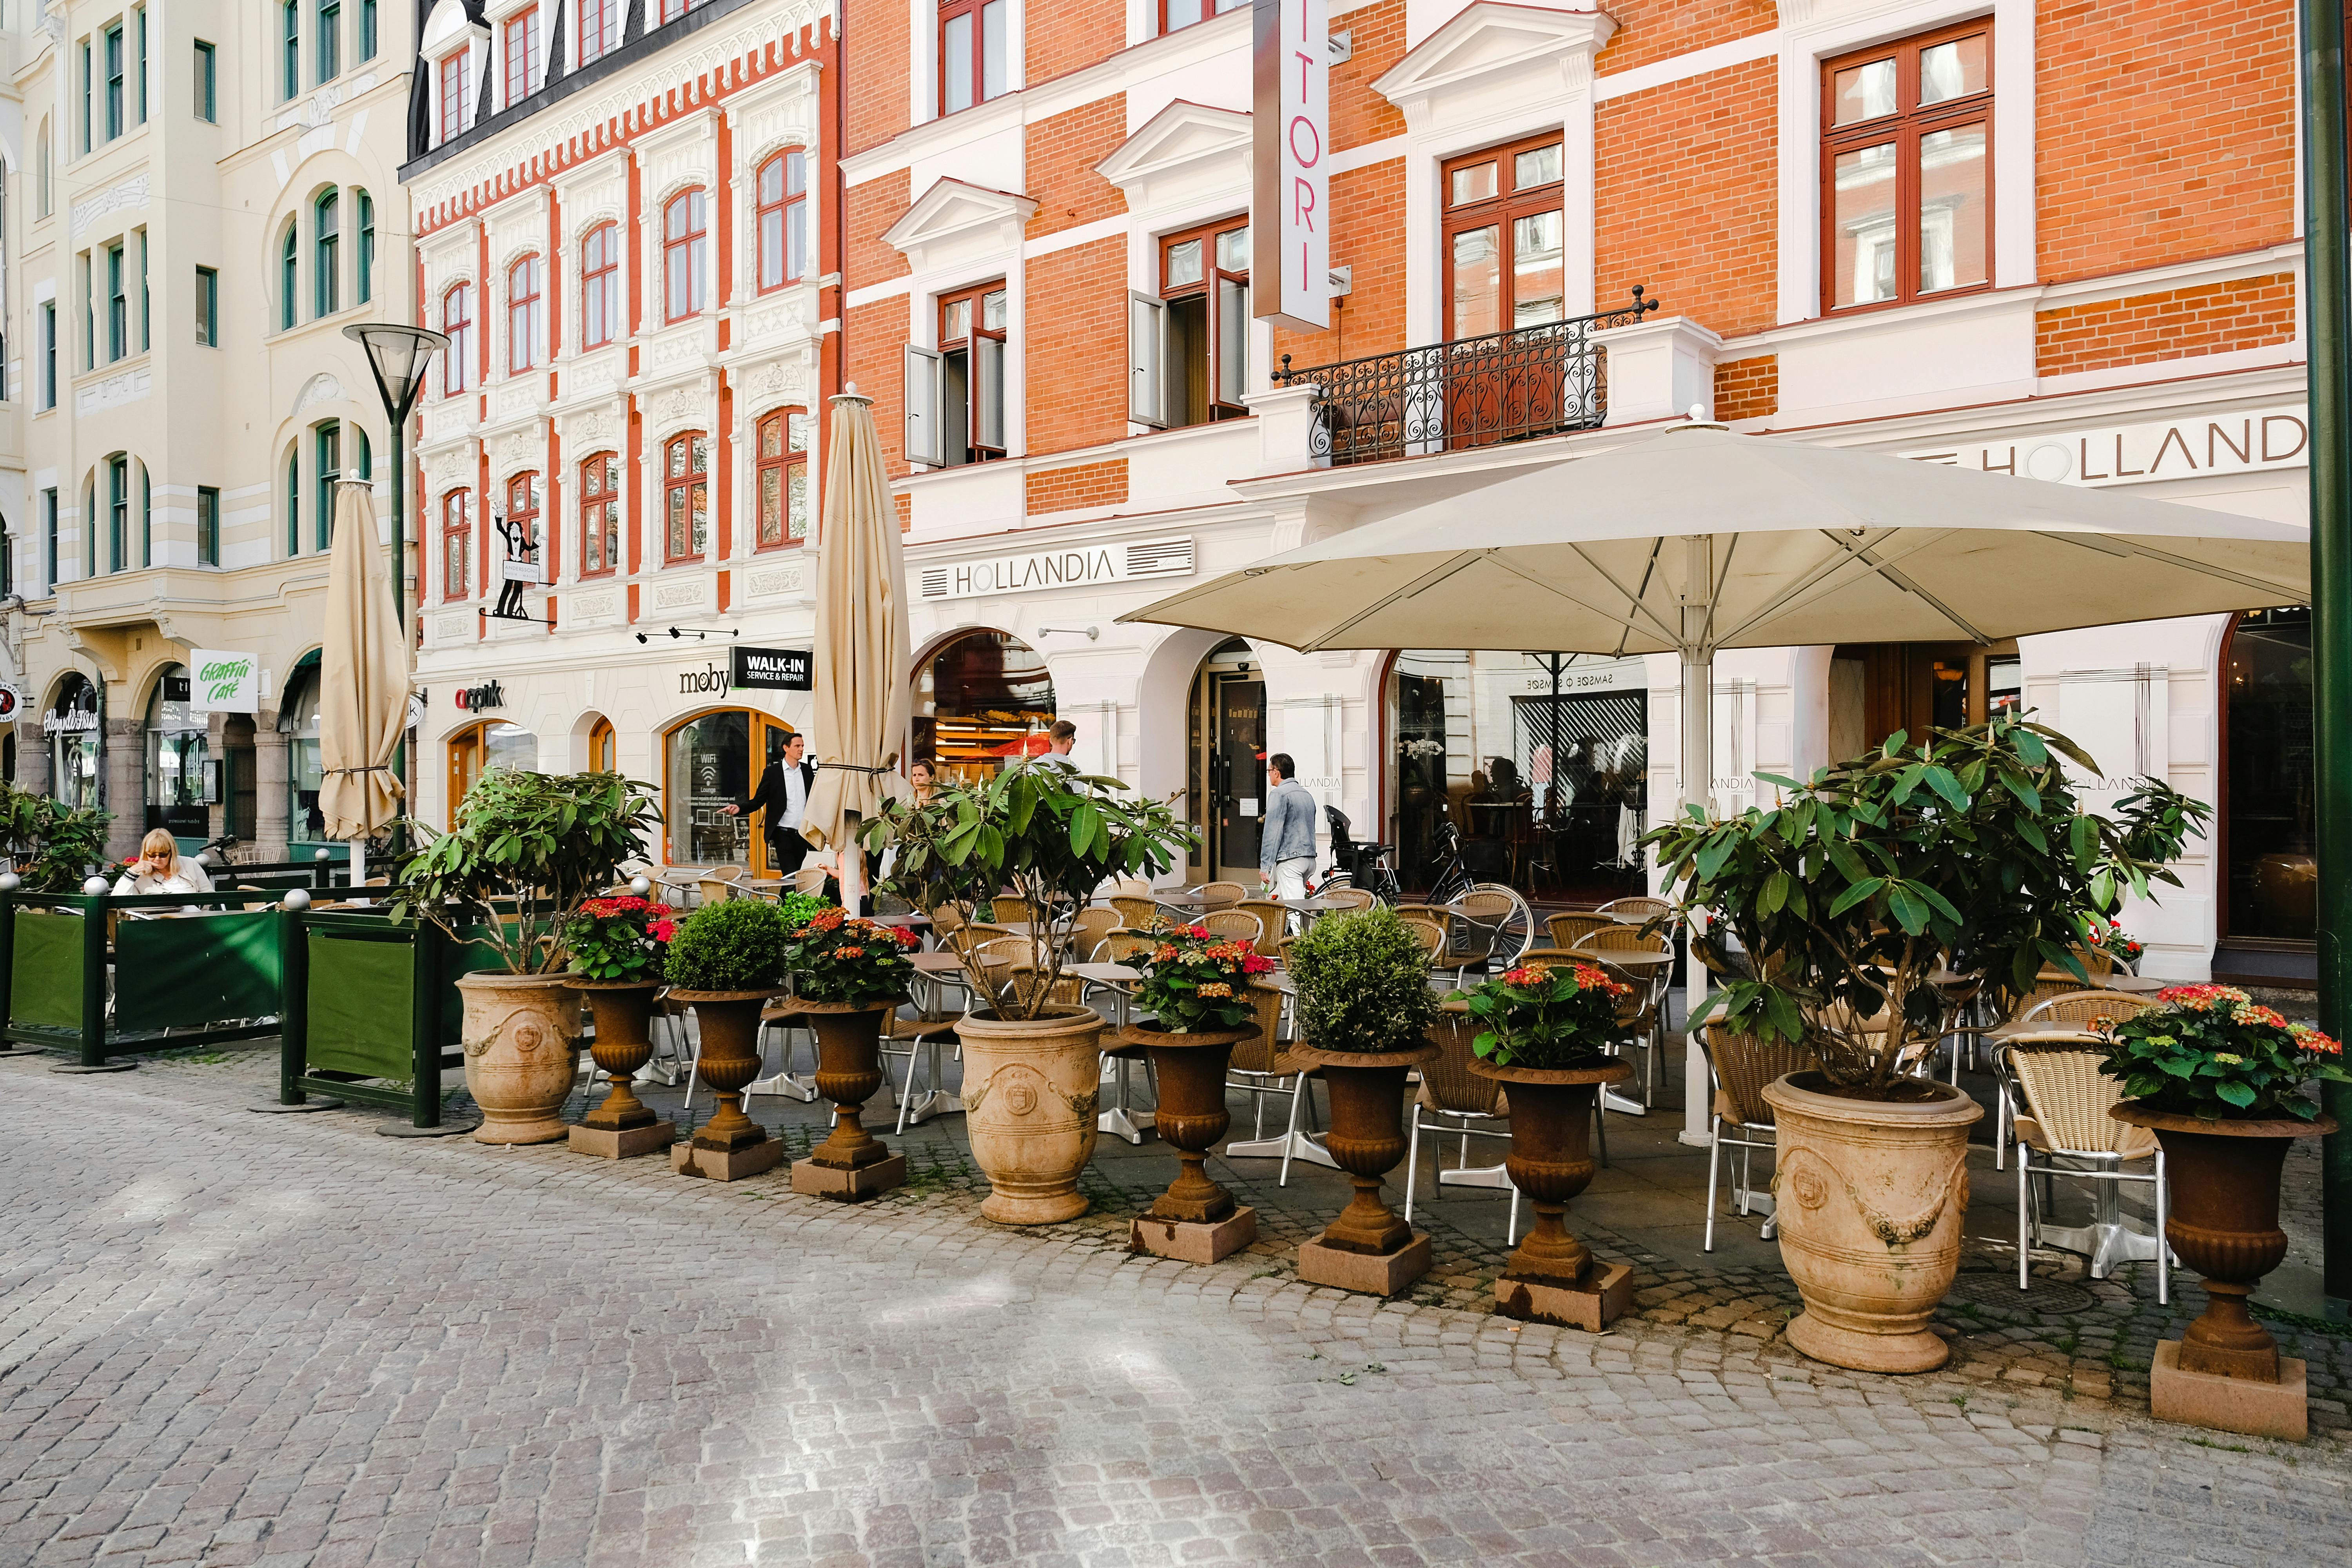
<point>161,868</point>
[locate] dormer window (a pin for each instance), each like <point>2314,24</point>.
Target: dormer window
<point>453,92</point>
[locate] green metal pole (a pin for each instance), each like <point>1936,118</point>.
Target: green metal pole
<point>400,598</point>
<point>2327,251</point>
<point>425,1040</point>
<point>293,1007</point>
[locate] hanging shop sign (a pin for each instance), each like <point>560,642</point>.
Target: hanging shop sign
<point>1084,567</point>
<point>775,669</point>
<point>11,700</point>
<point>1290,229</point>
<point>704,681</point>
<point>78,722</point>
<point>221,682</point>
<point>474,698</point>
<point>2142,453</point>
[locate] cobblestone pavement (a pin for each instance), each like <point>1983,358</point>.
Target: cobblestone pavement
<point>225,1339</point>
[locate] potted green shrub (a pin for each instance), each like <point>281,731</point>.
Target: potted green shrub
<point>725,961</point>
<point>849,978</point>
<point>524,852</point>
<point>618,945</point>
<point>1197,994</point>
<point>1364,1010</point>
<point>1870,901</point>
<point>54,844</point>
<point>1050,837</point>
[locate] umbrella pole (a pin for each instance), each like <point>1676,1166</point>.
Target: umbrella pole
<point>1697,752</point>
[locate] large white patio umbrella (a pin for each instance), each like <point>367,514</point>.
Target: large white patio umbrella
<point>364,680</point>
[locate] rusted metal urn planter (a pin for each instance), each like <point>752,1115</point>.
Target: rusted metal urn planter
<point>851,1163</point>
<point>1871,1195</point>
<point>1029,1090</point>
<point>624,1126</point>
<point>1196,1220</point>
<point>1553,1277</point>
<point>2224,1370</point>
<point>730,1145</point>
<point>1368,1247</point>
<point>519,1031</point>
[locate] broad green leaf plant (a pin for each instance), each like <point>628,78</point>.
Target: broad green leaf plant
<point>1965,853</point>
<point>54,845</point>
<point>1040,830</point>
<point>526,852</point>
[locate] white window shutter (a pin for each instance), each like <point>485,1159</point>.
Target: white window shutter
<point>923,408</point>
<point>1233,339</point>
<point>988,392</point>
<point>1147,328</point>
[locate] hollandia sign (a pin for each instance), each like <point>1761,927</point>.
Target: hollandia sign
<point>222,682</point>
<point>1085,566</point>
<point>2143,453</point>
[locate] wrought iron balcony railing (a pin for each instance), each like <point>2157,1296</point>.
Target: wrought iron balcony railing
<point>1472,392</point>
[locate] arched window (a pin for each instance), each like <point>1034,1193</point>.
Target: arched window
<point>456,544</point>
<point>327,443</point>
<point>289,275</point>
<point>600,286</point>
<point>176,753</point>
<point>686,236</point>
<point>784,478</point>
<point>599,514</point>
<point>118,511</point>
<point>522,510</point>
<point>686,496</point>
<point>783,219</point>
<point>364,279</point>
<point>294,499</point>
<point>458,321</point>
<point>324,248</point>
<point>526,314</point>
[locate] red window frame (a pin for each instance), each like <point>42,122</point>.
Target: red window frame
<point>520,46</point>
<point>458,325</point>
<point>1207,9</point>
<point>974,13</point>
<point>685,243</point>
<point>782,194</point>
<point>526,312</point>
<point>600,515</point>
<point>596,25</point>
<point>453,91</point>
<point>456,544</point>
<point>523,494</point>
<point>671,10</point>
<point>781,462</point>
<point>1500,211</point>
<point>599,285</point>
<point>686,495</point>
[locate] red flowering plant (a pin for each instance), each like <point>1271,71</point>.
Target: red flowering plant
<point>838,959</point>
<point>1563,1016</point>
<point>1194,984</point>
<point>2212,1052</point>
<point>2117,943</point>
<point>625,938</point>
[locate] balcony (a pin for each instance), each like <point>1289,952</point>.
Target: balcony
<point>1484,390</point>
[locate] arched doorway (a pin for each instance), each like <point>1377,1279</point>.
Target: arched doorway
<point>178,749</point>
<point>477,748</point>
<point>707,766</point>
<point>75,725</point>
<point>981,698</point>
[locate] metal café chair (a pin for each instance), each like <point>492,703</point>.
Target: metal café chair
<point>1122,1121</point>
<point>1738,1066</point>
<point>2064,1100</point>
<point>1260,1067</point>
<point>1458,1100</point>
<point>1651,984</point>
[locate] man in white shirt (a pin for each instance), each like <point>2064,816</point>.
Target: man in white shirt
<point>783,794</point>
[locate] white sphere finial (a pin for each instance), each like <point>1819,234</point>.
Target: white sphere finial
<point>95,886</point>
<point>1698,413</point>
<point>296,899</point>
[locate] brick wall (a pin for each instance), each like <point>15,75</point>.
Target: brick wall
<point>1358,113</point>
<point>878,364</point>
<point>1366,238</point>
<point>875,48</point>
<point>1082,484</point>
<point>871,209</point>
<point>1068,33</point>
<point>1076,345</point>
<point>1685,200</point>
<point>1747,388</point>
<point>2163,131</point>
<point>1059,159</point>
<point>2251,312</point>
<point>1651,30</point>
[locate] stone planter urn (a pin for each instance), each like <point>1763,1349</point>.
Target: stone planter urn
<point>624,1126</point>
<point>1196,1220</point>
<point>1029,1095</point>
<point>2225,1370</point>
<point>730,1145</point>
<point>520,1031</point>
<point>1553,1277</point>
<point>1368,1247</point>
<point>851,1163</point>
<point>1870,1197</point>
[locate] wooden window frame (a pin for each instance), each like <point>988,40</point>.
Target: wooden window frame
<point>1906,126</point>
<point>1501,210</point>
<point>455,587</point>
<point>691,249</point>
<point>599,490</point>
<point>600,286</point>
<point>975,298</point>
<point>534,491</point>
<point>686,484</point>
<point>1206,287</point>
<point>451,90</point>
<point>790,210</point>
<point>518,42</point>
<point>782,465</point>
<point>526,312</point>
<point>456,370</point>
<point>951,11</point>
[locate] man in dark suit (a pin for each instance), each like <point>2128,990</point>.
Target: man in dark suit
<point>783,794</point>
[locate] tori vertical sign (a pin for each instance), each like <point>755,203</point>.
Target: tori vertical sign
<point>1290,228</point>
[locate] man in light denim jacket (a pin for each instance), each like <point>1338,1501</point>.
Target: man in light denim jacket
<point>1286,844</point>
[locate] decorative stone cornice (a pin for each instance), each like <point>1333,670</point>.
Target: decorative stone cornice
<point>1490,39</point>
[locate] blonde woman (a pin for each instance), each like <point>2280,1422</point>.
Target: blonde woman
<point>162,869</point>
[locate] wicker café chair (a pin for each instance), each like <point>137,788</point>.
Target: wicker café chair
<point>2063,1102</point>
<point>1454,1098</point>
<point>1234,925</point>
<point>1222,895</point>
<point>1272,921</point>
<point>1349,899</point>
<point>1573,926</point>
<point>1259,1066</point>
<point>1431,934</point>
<point>1740,1065</point>
<point>1005,909</point>
<point>2088,1010</point>
<point>1087,928</point>
<point>1136,914</point>
<point>1476,934</point>
<point>1636,908</point>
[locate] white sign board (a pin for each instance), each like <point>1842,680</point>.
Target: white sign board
<point>513,569</point>
<point>1290,229</point>
<point>2142,454</point>
<point>224,682</point>
<point>1081,567</point>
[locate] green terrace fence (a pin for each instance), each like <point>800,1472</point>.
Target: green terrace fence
<point>372,1009</point>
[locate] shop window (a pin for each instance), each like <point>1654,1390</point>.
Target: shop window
<point>686,497</point>
<point>177,750</point>
<point>457,322</point>
<point>783,219</point>
<point>983,698</point>
<point>709,767</point>
<point>1907,159</point>
<point>521,50</point>
<point>456,544</point>
<point>526,314</point>
<point>783,478</point>
<point>600,286</point>
<point>603,753</point>
<point>686,242</point>
<point>1504,239</point>
<point>2269,795</point>
<point>1189,347</point>
<point>971,53</point>
<point>600,515</point>
<point>955,393</point>
<point>477,749</point>
<point>75,727</point>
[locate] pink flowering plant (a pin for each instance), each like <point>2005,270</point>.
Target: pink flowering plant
<point>2212,1052</point>
<point>837,959</point>
<point>1195,985</point>
<point>621,939</point>
<point>1560,1015</point>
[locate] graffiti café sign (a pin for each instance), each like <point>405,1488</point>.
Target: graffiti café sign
<point>222,682</point>
<point>2142,454</point>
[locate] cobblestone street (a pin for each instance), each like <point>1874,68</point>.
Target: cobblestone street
<point>228,1340</point>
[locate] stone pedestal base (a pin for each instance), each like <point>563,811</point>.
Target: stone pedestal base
<point>1608,1298</point>
<point>2281,1409</point>
<point>1371,1274</point>
<point>726,1165</point>
<point>849,1186</point>
<point>624,1144</point>
<point>1193,1241</point>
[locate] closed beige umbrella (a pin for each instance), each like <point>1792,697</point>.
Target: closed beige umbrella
<point>859,717</point>
<point>363,679</point>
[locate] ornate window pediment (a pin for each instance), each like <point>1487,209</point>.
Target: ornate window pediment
<point>954,216</point>
<point>1187,143</point>
<point>1489,41</point>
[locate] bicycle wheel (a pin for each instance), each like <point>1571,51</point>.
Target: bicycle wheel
<point>1517,933</point>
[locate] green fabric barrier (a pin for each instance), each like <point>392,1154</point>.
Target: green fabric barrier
<point>362,994</point>
<point>45,971</point>
<point>195,969</point>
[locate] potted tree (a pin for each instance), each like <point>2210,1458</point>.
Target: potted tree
<point>53,846</point>
<point>2219,1081</point>
<point>849,978</point>
<point>725,961</point>
<point>525,852</point>
<point>1364,1010</point>
<point>617,948</point>
<point>1869,902</point>
<point>1198,995</point>
<point>1547,1032</point>
<point>1032,1056</point>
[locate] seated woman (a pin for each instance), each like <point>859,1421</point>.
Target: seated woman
<point>161,868</point>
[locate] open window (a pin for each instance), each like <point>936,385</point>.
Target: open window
<point>955,393</point>
<point>1188,346</point>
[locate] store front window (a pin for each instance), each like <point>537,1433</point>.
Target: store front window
<point>297,720</point>
<point>75,724</point>
<point>1530,768</point>
<point>980,699</point>
<point>709,767</point>
<point>2269,793</point>
<point>494,743</point>
<point>177,750</point>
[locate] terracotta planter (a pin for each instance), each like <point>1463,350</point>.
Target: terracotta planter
<point>1550,1161</point>
<point>1871,1195</point>
<point>1367,1140</point>
<point>729,1024</point>
<point>1192,1115</point>
<point>2224,1182</point>
<point>624,1012</point>
<point>1029,1090</point>
<point>520,1031</point>
<point>848,1072</point>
